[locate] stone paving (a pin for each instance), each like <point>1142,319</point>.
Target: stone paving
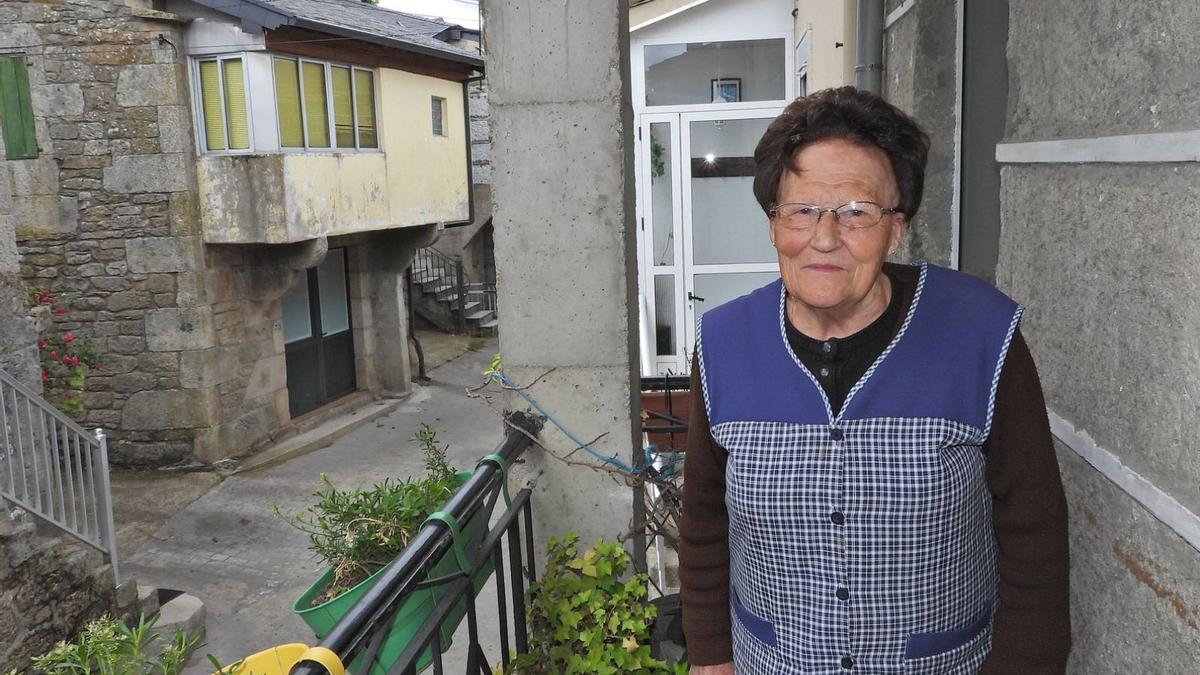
<point>248,566</point>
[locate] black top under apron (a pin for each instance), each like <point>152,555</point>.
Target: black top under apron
<point>839,363</point>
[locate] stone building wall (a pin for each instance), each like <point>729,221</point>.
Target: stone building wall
<point>105,217</point>
<point>49,590</point>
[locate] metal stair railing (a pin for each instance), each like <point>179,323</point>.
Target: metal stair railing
<point>53,468</point>
<point>431,264</point>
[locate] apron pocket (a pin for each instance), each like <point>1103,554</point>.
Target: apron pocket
<point>757,626</point>
<point>924,645</point>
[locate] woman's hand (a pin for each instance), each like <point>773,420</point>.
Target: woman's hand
<point>723,669</point>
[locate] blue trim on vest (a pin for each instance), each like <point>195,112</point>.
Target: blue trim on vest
<point>944,363</point>
<point>922,645</point>
<point>755,625</point>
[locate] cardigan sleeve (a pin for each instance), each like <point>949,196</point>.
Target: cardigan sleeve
<point>1032,630</point>
<point>704,541</point>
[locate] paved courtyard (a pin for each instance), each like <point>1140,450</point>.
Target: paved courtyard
<point>248,566</point>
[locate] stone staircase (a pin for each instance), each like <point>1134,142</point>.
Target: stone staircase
<point>435,296</point>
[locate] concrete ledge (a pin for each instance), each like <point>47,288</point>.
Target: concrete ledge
<point>1164,507</point>
<point>319,436</point>
<point>1181,146</point>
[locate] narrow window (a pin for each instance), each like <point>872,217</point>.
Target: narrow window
<point>364,100</point>
<point>223,105</point>
<point>343,107</point>
<point>210,103</point>
<point>287,100</point>
<point>235,105</point>
<point>316,107</point>
<point>16,109</point>
<point>439,116</point>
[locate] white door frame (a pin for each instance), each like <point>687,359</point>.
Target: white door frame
<point>683,268</point>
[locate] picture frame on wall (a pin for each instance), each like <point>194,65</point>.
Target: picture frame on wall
<point>727,90</point>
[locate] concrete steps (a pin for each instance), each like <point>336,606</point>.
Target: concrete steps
<point>438,304</point>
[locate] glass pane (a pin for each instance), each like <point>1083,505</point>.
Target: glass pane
<point>297,321</point>
<point>235,105</point>
<point>718,289</point>
<point>316,110</point>
<point>364,105</point>
<point>728,225</point>
<point>662,202</point>
<point>438,118</point>
<point>343,108</point>
<point>664,315</point>
<point>715,72</point>
<point>331,280</point>
<point>287,99</point>
<point>210,97</point>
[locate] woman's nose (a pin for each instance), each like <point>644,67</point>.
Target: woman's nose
<point>826,233</point>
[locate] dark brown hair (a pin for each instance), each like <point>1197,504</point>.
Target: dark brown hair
<point>847,114</point>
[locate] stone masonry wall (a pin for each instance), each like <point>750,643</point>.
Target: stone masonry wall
<point>106,216</point>
<point>49,590</point>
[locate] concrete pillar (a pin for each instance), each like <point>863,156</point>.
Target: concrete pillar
<point>391,253</point>
<point>565,251</point>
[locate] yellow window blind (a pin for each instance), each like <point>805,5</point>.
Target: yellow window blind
<point>316,110</point>
<point>210,103</point>
<point>364,91</point>
<point>343,108</point>
<point>287,100</point>
<point>235,105</point>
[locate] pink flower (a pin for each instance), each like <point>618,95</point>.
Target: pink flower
<point>68,337</point>
<point>45,377</point>
<point>60,310</point>
<point>53,354</point>
<point>42,344</point>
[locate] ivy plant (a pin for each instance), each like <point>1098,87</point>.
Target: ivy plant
<point>584,617</point>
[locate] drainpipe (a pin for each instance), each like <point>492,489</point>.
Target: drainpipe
<point>868,70</point>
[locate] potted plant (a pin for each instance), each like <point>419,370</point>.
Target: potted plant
<point>357,532</point>
<point>585,617</point>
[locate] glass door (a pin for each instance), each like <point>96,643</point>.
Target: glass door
<point>727,248</point>
<point>317,336</point>
<point>661,243</point>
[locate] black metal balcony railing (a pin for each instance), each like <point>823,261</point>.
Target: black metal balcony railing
<point>361,631</point>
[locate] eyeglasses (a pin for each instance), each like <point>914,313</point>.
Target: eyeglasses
<point>852,216</point>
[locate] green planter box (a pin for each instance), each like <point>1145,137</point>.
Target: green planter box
<point>413,612</point>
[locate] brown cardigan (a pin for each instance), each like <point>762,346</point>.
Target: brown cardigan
<point>1032,629</point>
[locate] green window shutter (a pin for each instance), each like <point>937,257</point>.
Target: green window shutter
<point>364,93</point>
<point>343,107</point>
<point>316,108</point>
<point>235,105</point>
<point>210,103</point>
<point>287,100</point>
<point>16,109</point>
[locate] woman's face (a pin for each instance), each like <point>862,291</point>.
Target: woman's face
<point>826,267</point>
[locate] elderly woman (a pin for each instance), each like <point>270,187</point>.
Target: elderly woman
<point>871,485</point>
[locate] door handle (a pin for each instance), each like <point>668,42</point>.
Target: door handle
<point>694,297</point>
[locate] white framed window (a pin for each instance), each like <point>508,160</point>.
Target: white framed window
<point>439,116</point>
<point>222,104</point>
<point>324,106</point>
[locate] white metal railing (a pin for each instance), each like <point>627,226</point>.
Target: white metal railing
<point>53,468</point>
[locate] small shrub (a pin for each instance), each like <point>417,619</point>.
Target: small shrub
<point>357,532</point>
<point>583,618</point>
<point>109,647</point>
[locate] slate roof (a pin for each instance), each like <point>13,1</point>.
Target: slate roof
<point>350,18</point>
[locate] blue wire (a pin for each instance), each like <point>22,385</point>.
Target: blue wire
<point>500,377</point>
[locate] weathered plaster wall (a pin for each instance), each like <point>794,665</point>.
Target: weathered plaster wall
<point>919,77</point>
<point>565,251</point>
<point>1113,314</point>
<point>291,197</point>
<point>427,174</point>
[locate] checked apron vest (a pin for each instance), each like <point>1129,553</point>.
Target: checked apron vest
<point>862,541</point>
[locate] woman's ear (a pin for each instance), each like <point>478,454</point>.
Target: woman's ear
<point>899,229</point>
